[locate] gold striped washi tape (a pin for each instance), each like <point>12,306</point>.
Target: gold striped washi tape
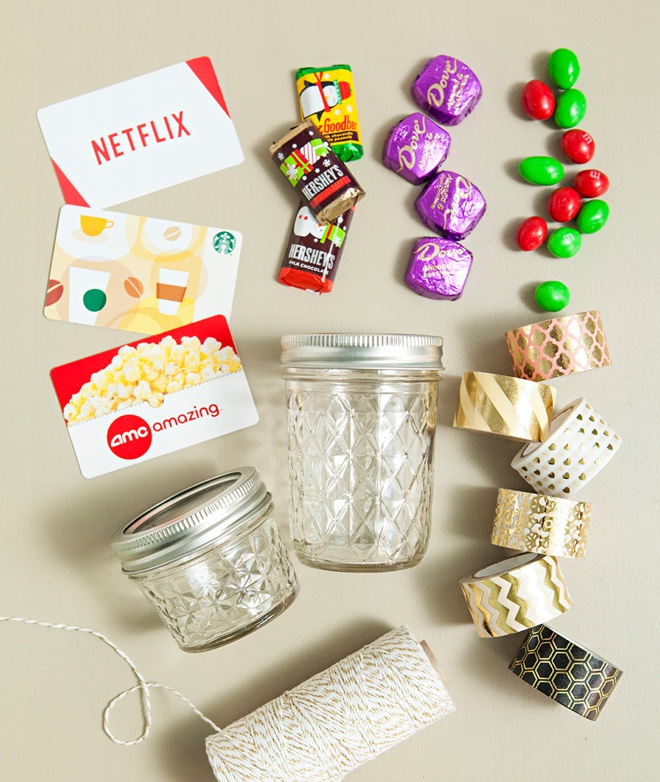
<point>506,406</point>
<point>516,594</point>
<point>541,524</point>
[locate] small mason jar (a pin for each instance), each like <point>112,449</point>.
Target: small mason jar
<point>210,560</point>
<point>362,414</point>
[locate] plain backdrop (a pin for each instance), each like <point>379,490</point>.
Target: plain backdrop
<point>55,559</point>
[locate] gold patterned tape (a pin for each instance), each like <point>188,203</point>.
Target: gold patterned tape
<point>579,445</point>
<point>565,671</point>
<point>505,406</point>
<point>516,594</point>
<point>559,346</point>
<point>541,524</point>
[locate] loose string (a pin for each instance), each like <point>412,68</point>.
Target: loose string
<point>143,686</point>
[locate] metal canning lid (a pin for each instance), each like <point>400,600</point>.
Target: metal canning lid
<point>363,351</point>
<point>212,510</point>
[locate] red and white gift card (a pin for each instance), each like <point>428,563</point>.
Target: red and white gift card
<point>141,135</point>
<point>155,396</point>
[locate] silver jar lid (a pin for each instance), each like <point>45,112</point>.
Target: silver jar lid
<point>176,527</point>
<point>363,351</point>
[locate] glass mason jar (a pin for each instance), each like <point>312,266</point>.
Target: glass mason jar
<point>210,560</point>
<point>362,414</point>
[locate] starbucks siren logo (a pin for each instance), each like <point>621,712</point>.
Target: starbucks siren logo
<point>224,242</point>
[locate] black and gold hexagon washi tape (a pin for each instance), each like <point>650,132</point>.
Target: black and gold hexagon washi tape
<point>565,671</point>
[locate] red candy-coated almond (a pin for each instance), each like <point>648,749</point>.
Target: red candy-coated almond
<point>564,204</point>
<point>591,183</point>
<point>532,233</point>
<point>578,145</point>
<point>538,102</point>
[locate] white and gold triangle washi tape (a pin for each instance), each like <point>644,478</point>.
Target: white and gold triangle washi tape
<point>544,525</point>
<point>506,406</point>
<point>579,445</point>
<point>516,594</point>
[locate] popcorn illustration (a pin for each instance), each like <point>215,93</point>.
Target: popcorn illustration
<point>148,372</point>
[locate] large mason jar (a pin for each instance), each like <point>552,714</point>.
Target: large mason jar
<point>210,560</point>
<point>361,422</point>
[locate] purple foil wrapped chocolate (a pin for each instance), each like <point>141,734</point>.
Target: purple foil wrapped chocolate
<point>438,268</point>
<point>446,89</point>
<point>451,205</point>
<point>416,147</point>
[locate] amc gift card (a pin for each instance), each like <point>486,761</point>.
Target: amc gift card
<point>154,396</point>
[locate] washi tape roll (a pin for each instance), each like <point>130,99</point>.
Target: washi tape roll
<point>337,720</point>
<point>516,594</point>
<point>565,671</point>
<point>579,445</point>
<point>541,524</point>
<point>559,346</point>
<point>505,406</point>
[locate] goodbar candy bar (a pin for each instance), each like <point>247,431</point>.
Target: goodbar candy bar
<point>327,98</point>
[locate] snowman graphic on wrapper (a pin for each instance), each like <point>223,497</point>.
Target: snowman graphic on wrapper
<point>306,224</point>
<point>318,97</point>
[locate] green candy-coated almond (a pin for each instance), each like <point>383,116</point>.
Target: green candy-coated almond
<point>592,216</point>
<point>552,296</point>
<point>563,68</point>
<point>570,109</point>
<point>541,170</point>
<point>564,242</point>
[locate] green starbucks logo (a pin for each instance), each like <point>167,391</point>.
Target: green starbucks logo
<point>224,242</point>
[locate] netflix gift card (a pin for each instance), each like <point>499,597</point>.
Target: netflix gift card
<point>141,135</point>
<point>154,396</point>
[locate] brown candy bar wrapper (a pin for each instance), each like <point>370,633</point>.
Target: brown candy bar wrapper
<point>313,251</point>
<point>319,177</point>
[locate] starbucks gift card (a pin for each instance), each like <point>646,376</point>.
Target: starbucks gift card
<point>155,396</point>
<point>141,135</point>
<point>139,273</point>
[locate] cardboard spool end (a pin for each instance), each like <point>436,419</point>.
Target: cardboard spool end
<point>434,662</point>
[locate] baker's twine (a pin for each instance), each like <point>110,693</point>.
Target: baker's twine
<point>143,686</point>
<point>337,720</point>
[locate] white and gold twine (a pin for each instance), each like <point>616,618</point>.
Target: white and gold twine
<point>320,730</point>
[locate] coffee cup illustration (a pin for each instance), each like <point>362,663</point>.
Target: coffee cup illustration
<point>170,290</point>
<point>94,226</point>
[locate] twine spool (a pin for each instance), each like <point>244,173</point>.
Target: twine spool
<point>337,720</point>
<point>322,729</point>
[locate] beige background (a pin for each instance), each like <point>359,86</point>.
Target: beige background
<point>55,561</point>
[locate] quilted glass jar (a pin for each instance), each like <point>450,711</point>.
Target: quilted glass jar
<point>210,560</point>
<point>362,414</point>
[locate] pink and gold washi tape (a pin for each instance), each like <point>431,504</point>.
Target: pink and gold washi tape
<point>505,406</point>
<point>559,346</point>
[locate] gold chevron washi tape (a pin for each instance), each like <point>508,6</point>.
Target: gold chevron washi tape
<point>565,671</point>
<point>516,594</point>
<point>505,406</point>
<point>541,524</point>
